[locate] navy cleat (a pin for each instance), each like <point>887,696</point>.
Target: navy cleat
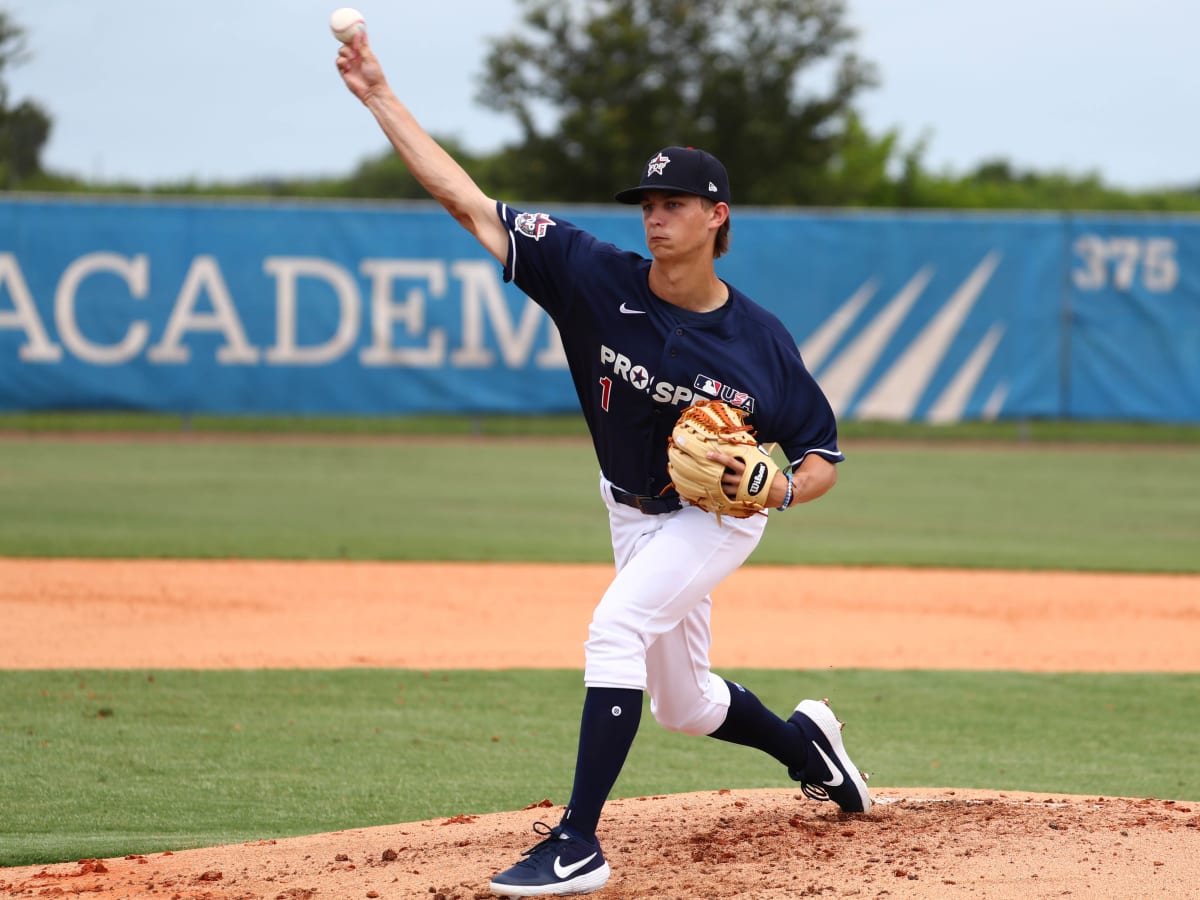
<point>561,864</point>
<point>829,774</point>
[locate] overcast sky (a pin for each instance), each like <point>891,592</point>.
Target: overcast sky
<point>154,91</point>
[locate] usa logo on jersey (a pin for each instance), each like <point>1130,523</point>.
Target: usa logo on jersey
<point>706,385</point>
<point>534,225</point>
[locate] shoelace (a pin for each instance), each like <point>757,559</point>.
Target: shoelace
<point>547,843</point>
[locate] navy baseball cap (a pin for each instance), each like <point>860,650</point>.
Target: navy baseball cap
<point>683,169</point>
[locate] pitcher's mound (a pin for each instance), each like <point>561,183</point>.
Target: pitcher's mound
<point>760,844</point>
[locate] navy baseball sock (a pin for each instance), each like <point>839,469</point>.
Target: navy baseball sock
<point>610,722</point>
<point>753,725</point>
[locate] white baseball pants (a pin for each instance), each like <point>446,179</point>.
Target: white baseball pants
<point>651,630</point>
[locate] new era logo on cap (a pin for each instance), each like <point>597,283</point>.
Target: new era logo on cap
<point>683,169</point>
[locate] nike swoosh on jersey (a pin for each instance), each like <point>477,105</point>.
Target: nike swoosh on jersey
<point>567,871</point>
<point>838,777</point>
<point>632,312</point>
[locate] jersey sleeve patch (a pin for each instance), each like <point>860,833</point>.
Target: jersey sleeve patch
<point>533,225</point>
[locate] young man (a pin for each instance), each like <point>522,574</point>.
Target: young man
<point>643,339</point>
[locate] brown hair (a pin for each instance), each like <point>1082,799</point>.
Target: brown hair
<point>721,243</point>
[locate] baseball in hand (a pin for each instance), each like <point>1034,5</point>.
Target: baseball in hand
<point>345,23</point>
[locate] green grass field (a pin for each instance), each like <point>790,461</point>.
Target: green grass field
<point>1024,432</point>
<point>98,764</point>
<point>104,763</point>
<point>1056,507</point>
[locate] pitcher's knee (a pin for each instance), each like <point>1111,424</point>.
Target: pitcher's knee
<point>613,658</point>
<point>698,718</point>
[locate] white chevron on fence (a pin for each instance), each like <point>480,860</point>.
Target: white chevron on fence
<point>822,341</point>
<point>897,393</point>
<point>953,400</point>
<point>995,402</point>
<point>843,376</point>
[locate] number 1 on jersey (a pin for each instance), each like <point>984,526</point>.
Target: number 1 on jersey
<point>605,392</point>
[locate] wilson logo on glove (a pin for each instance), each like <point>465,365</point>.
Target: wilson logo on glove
<point>757,479</point>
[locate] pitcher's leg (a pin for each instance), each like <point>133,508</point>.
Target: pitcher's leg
<point>669,577</point>
<point>685,695</point>
<point>659,596</point>
<point>606,731</point>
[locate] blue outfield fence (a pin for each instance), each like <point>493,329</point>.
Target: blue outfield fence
<point>210,307</point>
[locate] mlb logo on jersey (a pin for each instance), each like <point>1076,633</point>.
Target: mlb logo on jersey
<point>534,225</point>
<point>713,388</point>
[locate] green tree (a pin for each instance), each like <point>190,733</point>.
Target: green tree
<point>24,128</point>
<point>996,183</point>
<point>766,85</point>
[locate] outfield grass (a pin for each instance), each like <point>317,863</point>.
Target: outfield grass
<point>106,763</point>
<point>1024,431</point>
<point>1053,507</point>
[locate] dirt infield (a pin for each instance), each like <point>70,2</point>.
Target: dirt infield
<point>231,614</point>
<point>705,846</point>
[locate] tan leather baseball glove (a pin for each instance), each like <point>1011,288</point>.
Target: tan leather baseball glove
<point>712,425</point>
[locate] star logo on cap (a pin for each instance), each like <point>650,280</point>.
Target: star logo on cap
<point>657,165</point>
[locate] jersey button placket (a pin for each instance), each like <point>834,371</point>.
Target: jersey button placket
<point>674,351</point>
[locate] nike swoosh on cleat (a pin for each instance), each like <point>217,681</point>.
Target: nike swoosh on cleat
<point>837,778</point>
<point>632,312</point>
<point>567,871</point>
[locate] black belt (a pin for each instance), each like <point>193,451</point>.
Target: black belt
<point>650,506</point>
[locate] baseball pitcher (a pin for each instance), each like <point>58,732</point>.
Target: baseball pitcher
<point>681,378</point>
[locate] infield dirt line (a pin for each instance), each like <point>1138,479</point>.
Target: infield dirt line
<point>251,614</point>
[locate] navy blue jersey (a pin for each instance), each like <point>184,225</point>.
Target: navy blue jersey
<point>637,361</point>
